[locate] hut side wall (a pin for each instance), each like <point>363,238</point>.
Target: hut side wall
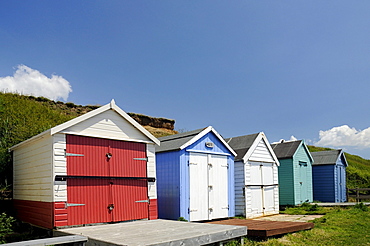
<point>152,186</point>
<point>32,182</point>
<point>240,201</point>
<point>168,183</point>
<point>324,179</point>
<point>286,180</point>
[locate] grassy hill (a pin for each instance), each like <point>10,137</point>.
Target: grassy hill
<point>358,170</point>
<point>22,117</point>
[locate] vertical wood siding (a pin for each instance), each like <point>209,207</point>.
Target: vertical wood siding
<point>94,161</point>
<point>304,191</point>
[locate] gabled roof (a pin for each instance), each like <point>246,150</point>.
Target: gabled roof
<point>182,140</point>
<point>329,157</point>
<point>79,119</point>
<point>245,145</point>
<point>287,149</point>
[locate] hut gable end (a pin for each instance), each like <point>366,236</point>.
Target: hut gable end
<point>108,124</point>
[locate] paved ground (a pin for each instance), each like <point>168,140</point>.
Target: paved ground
<point>156,232</point>
<point>288,217</point>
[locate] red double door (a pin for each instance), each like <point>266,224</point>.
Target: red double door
<point>106,180</point>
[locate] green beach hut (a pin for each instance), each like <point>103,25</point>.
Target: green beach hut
<point>295,172</point>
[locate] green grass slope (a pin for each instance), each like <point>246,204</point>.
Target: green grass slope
<point>358,170</point>
<point>22,117</point>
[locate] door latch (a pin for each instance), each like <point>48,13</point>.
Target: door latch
<point>110,207</point>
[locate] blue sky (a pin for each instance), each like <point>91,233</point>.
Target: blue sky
<point>287,68</point>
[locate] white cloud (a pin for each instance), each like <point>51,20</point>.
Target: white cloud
<point>27,81</point>
<point>345,136</point>
<point>292,138</point>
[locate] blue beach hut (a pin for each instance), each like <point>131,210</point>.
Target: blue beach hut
<point>195,176</point>
<point>329,176</point>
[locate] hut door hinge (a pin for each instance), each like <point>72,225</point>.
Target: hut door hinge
<point>74,204</point>
<point>143,201</point>
<point>141,159</point>
<point>72,154</point>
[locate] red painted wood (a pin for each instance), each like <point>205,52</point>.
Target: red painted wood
<point>125,197</point>
<point>123,163</point>
<point>94,193</point>
<point>34,212</point>
<point>153,209</point>
<point>60,214</point>
<point>97,193</point>
<point>95,161</point>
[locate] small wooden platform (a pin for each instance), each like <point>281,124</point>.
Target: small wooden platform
<point>156,232</point>
<point>262,228</point>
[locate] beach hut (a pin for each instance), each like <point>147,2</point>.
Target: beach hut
<point>195,176</point>
<point>256,176</point>
<point>329,176</point>
<point>295,172</point>
<point>96,168</point>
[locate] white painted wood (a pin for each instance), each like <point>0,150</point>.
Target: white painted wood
<point>59,167</point>
<point>203,133</point>
<point>151,171</point>
<point>269,200</point>
<point>111,107</point>
<point>255,171</point>
<point>256,208</point>
<point>198,179</point>
<point>218,191</point>
<point>261,153</point>
<point>32,171</point>
<point>109,125</point>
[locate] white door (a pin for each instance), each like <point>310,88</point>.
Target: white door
<point>261,188</point>
<point>218,187</point>
<point>198,178</point>
<point>269,200</point>
<point>256,202</point>
<point>208,186</point>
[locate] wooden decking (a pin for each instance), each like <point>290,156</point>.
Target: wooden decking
<point>262,228</point>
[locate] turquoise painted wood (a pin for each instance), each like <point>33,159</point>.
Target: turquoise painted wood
<point>295,175</point>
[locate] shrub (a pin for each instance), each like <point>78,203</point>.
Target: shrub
<point>6,226</point>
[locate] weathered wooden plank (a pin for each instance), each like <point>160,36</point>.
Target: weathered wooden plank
<point>261,228</point>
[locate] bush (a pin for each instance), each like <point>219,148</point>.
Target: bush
<point>6,226</point>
